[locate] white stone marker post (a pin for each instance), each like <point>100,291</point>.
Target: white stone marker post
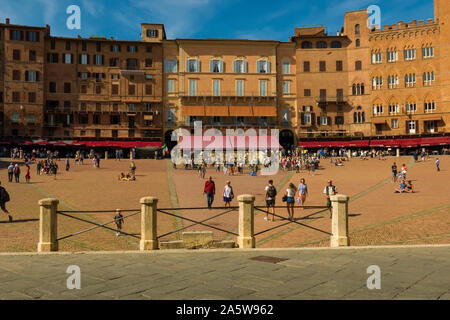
<point>339,223</point>
<point>398,152</point>
<point>48,225</point>
<point>149,239</point>
<point>246,237</point>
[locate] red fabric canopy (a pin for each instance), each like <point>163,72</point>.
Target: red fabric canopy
<point>409,143</point>
<point>336,144</point>
<point>385,143</point>
<point>435,141</point>
<point>118,144</point>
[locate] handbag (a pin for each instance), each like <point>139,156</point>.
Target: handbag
<point>284,199</point>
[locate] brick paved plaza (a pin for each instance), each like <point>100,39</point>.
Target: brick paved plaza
<point>377,215</point>
<point>406,273</point>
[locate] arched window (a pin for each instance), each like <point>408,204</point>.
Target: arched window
<point>307,45</point>
<point>363,117</point>
<point>428,78</point>
<point>355,117</point>
<point>357,43</point>
<point>321,44</point>
<point>336,44</point>
<point>357,29</point>
<point>359,117</point>
<point>358,89</point>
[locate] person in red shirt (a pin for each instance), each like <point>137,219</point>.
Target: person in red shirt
<point>210,191</point>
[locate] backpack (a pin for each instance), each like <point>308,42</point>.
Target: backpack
<point>271,192</point>
<point>4,195</point>
<point>16,170</point>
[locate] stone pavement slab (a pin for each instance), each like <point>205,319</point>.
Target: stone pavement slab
<point>415,272</point>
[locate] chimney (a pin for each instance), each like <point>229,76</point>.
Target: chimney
<point>7,20</point>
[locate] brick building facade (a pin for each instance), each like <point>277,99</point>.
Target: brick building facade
<point>360,82</point>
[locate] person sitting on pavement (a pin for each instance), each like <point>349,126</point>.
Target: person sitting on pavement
<point>402,187</point>
<point>122,177</point>
<point>409,187</point>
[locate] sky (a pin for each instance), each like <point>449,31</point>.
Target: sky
<point>233,19</point>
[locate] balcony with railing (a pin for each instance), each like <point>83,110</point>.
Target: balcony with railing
<point>210,96</point>
<point>59,109</point>
<point>324,99</point>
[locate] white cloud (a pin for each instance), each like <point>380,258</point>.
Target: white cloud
<point>182,18</point>
<point>49,10</point>
<point>92,7</point>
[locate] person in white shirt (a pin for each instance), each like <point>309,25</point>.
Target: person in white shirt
<point>228,194</point>
<point>290,194</point>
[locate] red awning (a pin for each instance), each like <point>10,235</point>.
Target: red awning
<point>118,144</point>
<point>435,141</point>
<point>60,143</point>
<point>335,144</point>
<point>409,143</point>
<point>386,143</point>
<point>43,143</point>
<point>229,142</point>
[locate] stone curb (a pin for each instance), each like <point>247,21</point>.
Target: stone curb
<point>157,252</point>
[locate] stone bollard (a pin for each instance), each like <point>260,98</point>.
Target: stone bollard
<point>398,152</point>
<point>246,237</point>
<point>148,224</point>
<point>339,223</point>
<point>48,225</point>
<point>106,155</point>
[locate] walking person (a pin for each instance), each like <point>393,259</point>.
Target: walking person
<point>38,168</point>
<point>210,191</point>
<point>404,170</point>
<point>133,170</point>
<point>437,165</point>
<point>27,174</point>
<point>118,220</point>
<point>330,190</point>
<point>10,172</point>
<point>4,198</point>
<point>67,164</point>
<point>290,194</point>
<point>17,173</point>
<point>228,194</point>
<point>302,191</point>
<point>204,171</point>
<point>54,169</point>
<point>270,195</point>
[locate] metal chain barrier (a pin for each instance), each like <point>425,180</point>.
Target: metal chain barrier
<point>292,221</point>
<point>97,225</point>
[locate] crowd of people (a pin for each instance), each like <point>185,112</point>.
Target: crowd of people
<point>290,196</point>
<point>297,160</point>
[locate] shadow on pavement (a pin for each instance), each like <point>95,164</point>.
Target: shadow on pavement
<point>19,221</point>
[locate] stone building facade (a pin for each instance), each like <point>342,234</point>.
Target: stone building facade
<point>361,82</point>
